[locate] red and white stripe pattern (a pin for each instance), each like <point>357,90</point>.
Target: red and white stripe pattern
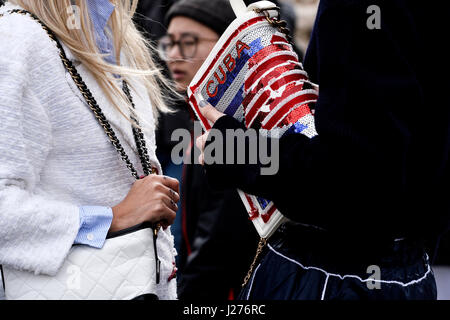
<point>274,87</point>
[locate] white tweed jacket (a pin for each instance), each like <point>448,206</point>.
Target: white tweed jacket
<point>54,156</point>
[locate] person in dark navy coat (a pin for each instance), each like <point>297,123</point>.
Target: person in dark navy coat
<point>367,196</point>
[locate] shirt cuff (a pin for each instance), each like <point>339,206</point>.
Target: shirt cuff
<point>94,226</point>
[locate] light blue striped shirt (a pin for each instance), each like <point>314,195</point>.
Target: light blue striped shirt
<point>96,221</point>
<point>94,226</point>
<point>100,12</point>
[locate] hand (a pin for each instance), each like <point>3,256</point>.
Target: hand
<point>200,143</point>
<point>152,199</point>
<point>209,112</point>
<point>212,114</point>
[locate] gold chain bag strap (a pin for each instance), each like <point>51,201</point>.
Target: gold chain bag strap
<point>137,132</point>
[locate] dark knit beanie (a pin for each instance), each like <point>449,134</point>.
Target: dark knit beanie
<point>215,14</point>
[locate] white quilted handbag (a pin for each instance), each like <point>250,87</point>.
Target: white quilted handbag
<point>122,270</point>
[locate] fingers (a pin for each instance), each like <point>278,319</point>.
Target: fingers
<point>166,191</point>
<point>170,203</point>
<point>163,210</point>
<point>209,112</point>
<point>174,195</point>
<point>169,182</point>
<point>200,143</point>
<point>168,211</point>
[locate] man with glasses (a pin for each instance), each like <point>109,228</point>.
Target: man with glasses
<point>185,48</point>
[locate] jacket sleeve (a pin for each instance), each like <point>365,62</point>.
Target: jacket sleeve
<point>36,230</point>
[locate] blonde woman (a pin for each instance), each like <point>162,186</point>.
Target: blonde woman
<point>80,210</point>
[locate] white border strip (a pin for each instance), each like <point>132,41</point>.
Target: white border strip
<point>351,275</point>
<point>251,282</point>
<point>324,288</point>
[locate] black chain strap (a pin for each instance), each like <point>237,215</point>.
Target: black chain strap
<point>139,137</point>
<point>137,132</point>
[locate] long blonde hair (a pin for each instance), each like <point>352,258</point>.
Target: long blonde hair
<point>127,39</point>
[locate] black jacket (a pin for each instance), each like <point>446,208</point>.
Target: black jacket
<point>442,253</point>
<point>379,168</point>
<point>220,238</point>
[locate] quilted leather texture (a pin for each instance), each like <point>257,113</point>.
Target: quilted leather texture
<point>123,269</point>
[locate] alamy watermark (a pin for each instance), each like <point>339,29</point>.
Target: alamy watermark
<point>74,20</point>
<point>375,276</point>
<point>374,20</point>
<point>239,146</point>
<point>73,281</point>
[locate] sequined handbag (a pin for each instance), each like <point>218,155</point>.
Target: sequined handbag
<point>254,75</point>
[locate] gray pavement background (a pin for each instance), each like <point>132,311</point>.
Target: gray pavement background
<point>442,275</point>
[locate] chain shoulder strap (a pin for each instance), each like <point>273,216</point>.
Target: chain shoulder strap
<point>276,22</point>
<point>261,245</point>
<point>137,132</point>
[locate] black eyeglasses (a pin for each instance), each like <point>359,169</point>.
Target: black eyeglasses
<point>187,44</point>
